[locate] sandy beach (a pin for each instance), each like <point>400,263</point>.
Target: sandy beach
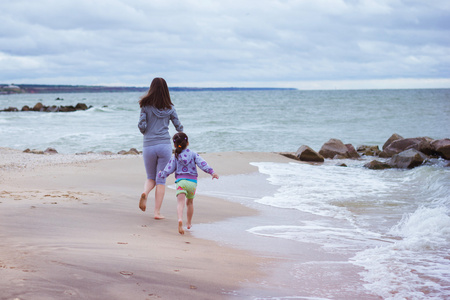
<point>70,228</point>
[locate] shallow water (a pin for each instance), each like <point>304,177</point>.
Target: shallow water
<point>388,231</point>
<point>232,120</point>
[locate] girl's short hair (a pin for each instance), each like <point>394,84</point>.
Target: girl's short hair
<point>158,95</point>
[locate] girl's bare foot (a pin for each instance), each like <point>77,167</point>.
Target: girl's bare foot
<point>159,216</point>
<point>180,227</point>
<point>189,225</point>
<point>143,202</point>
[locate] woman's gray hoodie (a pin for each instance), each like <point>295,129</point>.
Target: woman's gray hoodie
<point>154,124</point>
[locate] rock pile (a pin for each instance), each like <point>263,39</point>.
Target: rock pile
<point>54,108</point>
<point>132,151</point>
<point>400,152</point>
<point>46,151</point>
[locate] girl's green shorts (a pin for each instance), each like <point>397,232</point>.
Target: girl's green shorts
<point>186,187</point>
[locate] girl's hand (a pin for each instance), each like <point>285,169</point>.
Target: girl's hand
<point>215,176</point>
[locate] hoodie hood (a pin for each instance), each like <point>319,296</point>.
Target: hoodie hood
<point>185,157</point>
<point>161,113</point>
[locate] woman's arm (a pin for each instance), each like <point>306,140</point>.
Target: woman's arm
<point>142,124</point>
<point>175,121</point>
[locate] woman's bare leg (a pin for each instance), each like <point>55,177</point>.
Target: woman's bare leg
<point>148,186</point>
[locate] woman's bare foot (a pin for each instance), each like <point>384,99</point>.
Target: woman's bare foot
<point>143,202</point>
<point>189,225</point>
<point>180,227</point>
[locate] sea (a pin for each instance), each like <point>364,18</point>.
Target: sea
<point>329,231</point>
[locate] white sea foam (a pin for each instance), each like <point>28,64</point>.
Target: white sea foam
<point>328,190</point>
<point>396,223</point>
<point>416,266</point>
<point>425,229</point>
<point>325,234</point>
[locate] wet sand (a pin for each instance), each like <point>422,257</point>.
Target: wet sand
<point>71,228</point>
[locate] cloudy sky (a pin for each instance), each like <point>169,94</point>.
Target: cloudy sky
<point>306,44</point>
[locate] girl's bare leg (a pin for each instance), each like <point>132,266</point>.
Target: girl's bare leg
<point>190,212</point>
<point>180,207</point>
<point>159,197</point>
<point>148,186</point>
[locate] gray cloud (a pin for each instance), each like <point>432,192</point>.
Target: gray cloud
<point>243,43</point>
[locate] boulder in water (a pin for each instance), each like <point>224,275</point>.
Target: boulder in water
<point>335,148</point>
<point>305,153</point>
<point>408,159</point>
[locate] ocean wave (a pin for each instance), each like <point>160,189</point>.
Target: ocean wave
<point>325,234</point>
<point>416,265</point>
<point>425,229</point>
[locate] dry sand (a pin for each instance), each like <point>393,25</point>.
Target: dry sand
<point>70,228</point>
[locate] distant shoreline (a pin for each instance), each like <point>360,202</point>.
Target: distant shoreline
<point>42,88</point>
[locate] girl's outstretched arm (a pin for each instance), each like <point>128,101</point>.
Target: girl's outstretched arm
<point>169,169</point>
<point>202,164</point>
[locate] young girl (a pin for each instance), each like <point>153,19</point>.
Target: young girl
<point>157,111</point>
<point>184,163</point>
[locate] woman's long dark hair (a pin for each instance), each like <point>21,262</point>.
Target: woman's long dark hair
<point>157,95</point>
<point>180,141</point>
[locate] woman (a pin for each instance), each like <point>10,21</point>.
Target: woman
<point>156,112</point>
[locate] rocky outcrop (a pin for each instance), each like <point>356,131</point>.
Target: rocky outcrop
<point>351,152</point>
<point>410,152</point>
<point>54,108</point>
<point>368,150</point>
<point>50,151</point>
<point>399,152</point>
<point>393,138</point>
<point>408,159</point>
<point>401,145</point>
<point>10,109</point>
<point>442,148</point>
<point>38,107</point>
<point>305,153</point>
<point>377,165</point>
<point>335,148</point>
<point>132,151</point>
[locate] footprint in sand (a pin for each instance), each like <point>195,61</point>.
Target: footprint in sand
<point>126,274</point>
<point>18,282</point>
<point>70,292</point>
